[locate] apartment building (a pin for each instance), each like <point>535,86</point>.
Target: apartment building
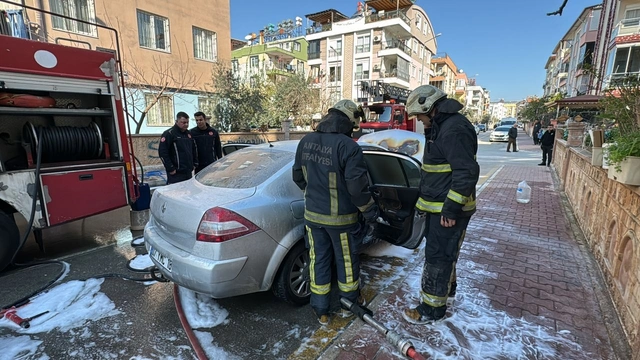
<point>568,66</point>
<point>270,58</point>
<point>164,45</point>
<point>618,48</point>
<point>445,73</point>
<point>461,86</point>
<point>478,101</point>
<point>392,41</point>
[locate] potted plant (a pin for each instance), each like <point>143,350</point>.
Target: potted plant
<point>624,159</point>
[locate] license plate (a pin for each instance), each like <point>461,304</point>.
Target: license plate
<point>367,131</point>
<point>164,261</point>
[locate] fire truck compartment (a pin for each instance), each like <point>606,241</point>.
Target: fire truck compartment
<point>80,129</point>
<point>76,194</point>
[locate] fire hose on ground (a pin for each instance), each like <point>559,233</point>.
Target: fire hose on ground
<point>403,345</point>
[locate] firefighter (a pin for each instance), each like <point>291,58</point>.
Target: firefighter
<point>447,195</point>
<point>178,151</point>
<point>329,167</point>
<point>207,141</point>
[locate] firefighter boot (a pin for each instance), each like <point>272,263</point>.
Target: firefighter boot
<point>424,314</point>
<point>344,313</point>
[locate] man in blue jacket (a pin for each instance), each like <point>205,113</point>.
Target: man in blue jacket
<point>447,197</point>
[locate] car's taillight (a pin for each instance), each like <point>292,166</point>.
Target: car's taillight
<point>218,225</point>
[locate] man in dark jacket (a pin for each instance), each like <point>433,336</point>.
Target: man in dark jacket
<point>546,144</point>
<point>207,141</point>
<point>513,134</point>
<point>534,134</point>
<point>177,150</point>
<point>447,198</point>
<point>330,168</point>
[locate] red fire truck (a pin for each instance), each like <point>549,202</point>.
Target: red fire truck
<point>384,107</point>
<point>64,150</point>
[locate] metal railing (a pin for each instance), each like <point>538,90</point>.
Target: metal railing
<point>313,55</point>
<point>318,28</point>
<point>396,44</point>
<point>386,15</point>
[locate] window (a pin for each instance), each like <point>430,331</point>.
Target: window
<point>254,62</point>
<point>419,22</point>
<point>296,46</point>
<point>244,169</point>
<point>205,44</point>
<point>313,51</point>
<point>586,55</point>
<point>161,113</point>
<point>235,66</point>
<point>335,73</point>
<point>415,46</point>
<point>595,20</point>
<point>421,51</point>
<point>153,31</point>
<point>363,44</point>
<point>632,14</point>
<point>300,69</point>
<point>362,71</point>
<point>78,9</point>
<point>627,60</point>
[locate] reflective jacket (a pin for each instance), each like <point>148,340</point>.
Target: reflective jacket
<point>177,150</point>
<point>450,171</point>
<point>329,167</point>
<point>208,144</point>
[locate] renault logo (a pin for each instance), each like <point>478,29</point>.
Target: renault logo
<point>164,207</point>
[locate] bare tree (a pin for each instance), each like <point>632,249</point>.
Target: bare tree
<point>163,77</point>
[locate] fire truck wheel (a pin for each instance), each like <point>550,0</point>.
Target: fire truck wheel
<point>9,239</point>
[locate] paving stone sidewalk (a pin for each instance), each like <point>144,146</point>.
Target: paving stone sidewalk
<point>527,289</point>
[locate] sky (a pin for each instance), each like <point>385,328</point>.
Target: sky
<point>505,42</point>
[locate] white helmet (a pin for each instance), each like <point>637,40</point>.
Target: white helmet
<point>351,109</point>
<point>422,99</point>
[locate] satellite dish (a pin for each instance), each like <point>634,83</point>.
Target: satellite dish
<point>248,37</point>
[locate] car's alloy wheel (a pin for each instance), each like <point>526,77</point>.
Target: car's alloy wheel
<point>293,283</point>
<point>9,239</point>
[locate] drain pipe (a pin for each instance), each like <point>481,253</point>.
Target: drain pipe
<point>403,345</point>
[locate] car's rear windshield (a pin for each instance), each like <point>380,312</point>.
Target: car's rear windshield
<point>503,128</point>
<point>244,168</point>
<point>508,122</point>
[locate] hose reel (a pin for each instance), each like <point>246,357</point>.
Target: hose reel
<point>65,143</point>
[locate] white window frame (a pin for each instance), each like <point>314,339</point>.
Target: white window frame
<point>155,116</point>
<point>337,73</point>
<point>297,46</point>
<point>419,22</point>
<point>167,34</point>
<point>360,42</point>
<point>365,70</point>
<point>200,38</point>
<point>70,8</point>
<point>415,46</point>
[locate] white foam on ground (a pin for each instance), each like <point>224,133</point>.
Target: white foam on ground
<point>212,350</point>
<point>202,311</point>
<point>141,262</point>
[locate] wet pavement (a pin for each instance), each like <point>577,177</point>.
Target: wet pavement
<point>527,288</point>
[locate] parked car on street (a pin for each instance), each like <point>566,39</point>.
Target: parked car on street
<point>508,121</point>
<point>237,227</point>
<point>482,127</point>
<point>501,133</point>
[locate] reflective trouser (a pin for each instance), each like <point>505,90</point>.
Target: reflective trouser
<point>441,254</point>
<point>324,245</point>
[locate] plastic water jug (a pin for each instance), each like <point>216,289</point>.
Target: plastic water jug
<point>523,195</point>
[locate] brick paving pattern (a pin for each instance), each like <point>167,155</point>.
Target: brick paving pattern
<point>524,287</point>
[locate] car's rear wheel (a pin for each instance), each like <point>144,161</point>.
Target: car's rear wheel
<point>9,239</point>
<point>293,283</point>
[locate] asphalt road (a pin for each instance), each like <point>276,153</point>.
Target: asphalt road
<point>259,325</point>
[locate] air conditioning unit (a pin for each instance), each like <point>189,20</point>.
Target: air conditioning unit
<point>377,38</point>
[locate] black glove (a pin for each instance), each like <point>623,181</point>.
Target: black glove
<point>371,214</point>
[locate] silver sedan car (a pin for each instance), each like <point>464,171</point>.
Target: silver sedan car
<point>501,133</point>
<point>238,226</point>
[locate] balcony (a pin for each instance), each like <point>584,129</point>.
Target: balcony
<point>625,27</point>
<point>461,89</point>
<point>279,69</point>
<point>395,47</point>
<point>318,28</point>
<point>396,77</point>
<point>313,55</point>
<point>395,21</point>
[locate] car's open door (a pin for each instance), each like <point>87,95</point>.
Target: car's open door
<point>395,179</point>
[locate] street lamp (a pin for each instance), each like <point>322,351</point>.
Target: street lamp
<point>423,58</point>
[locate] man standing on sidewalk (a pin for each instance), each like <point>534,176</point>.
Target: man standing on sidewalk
<point>546,144</point>
<point>534,134</point>
<point>513,134</point>
<point>207,141</point>
<point>177,150</point>
<point>447,199</point>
